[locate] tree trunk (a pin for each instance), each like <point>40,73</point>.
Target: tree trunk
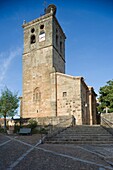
<point>4,122</point>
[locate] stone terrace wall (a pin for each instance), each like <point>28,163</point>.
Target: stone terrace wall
<point>108,116</point>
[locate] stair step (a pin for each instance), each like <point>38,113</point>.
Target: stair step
<point>80,142</point>
<point>81,139</point>
<point>83,135</point>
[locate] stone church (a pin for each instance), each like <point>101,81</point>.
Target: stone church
<point>49,93</point>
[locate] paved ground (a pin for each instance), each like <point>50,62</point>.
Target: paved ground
<point>25,153</point>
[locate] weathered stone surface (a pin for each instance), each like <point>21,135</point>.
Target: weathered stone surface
<point>47,90</point>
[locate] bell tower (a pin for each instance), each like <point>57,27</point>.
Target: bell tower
<point>44,53</point>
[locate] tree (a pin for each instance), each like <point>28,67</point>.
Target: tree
<point>8,104</point>
<point>106,97</point>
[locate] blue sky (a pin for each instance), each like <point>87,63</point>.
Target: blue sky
<point>88,25</point>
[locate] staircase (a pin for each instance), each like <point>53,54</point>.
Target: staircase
<point>82,134</point>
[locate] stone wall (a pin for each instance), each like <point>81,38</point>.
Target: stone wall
<point>41,58</point>
<point>48,93</point>
<point>59,47</point>
<point>61,120</point>
<point>108,116</point>
<point>36,83</point>
<point>36,24</point>
<point>68,96</point>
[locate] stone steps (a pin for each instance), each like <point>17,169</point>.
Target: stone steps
<point>79,134</point>
<point>79,142</point>
<point>82,135</point>
<point>107,138</point>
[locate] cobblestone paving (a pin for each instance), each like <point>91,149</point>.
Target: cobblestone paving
<point>24,153</point>
<point>10,153</point>
<point>3,139</point>
<point>41,160</point>
<point>30,139</point>
<point>76,151</point>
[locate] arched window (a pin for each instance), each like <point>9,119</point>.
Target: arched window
<point>61,46</point>
<point>56,40</point>
<point>33,39</point>
<point>36,95</point>
<point>32,30</point>
<point>42,26</point>
<point>42,36</point>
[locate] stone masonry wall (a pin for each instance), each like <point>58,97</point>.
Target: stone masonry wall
<point>59,47</point>
<point>48,92</point>
<point>36,83</point>
<point>68,96</point>
<point>108,116</point>
<point>40,59</point>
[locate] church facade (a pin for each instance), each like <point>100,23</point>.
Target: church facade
<point>47,91</point>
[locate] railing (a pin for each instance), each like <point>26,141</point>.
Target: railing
<point>55,129</point>
<point>108,125</point>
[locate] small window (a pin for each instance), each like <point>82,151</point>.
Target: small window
<point>32,30</point>
<point>41,26</point>
<point>33,39</point>
<point>64,94</point>
<point>61,46</point>
<point>56,40</point>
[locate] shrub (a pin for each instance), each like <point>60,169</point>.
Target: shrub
<point>32,123</point>
<point>35,131</point>
<point>16,129</point>
<point>1,130</point>
<point>43,131</point>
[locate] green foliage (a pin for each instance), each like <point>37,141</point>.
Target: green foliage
<point>106,97</point>
<point>43,131</point>
<point>1,130</point>
<point>35,131</point>
<point>39,131</point>
<point>16,129</point>
<point>8,104</point>
<point>32,123</point>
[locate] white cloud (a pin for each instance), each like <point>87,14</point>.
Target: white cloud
<point>5,61</point>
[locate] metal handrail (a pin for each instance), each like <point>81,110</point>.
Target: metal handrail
<point>107,121</point>
<point>55,129</point>
<point>108,125</point>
